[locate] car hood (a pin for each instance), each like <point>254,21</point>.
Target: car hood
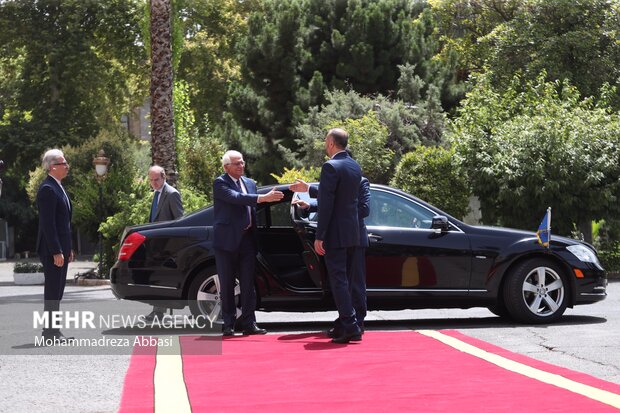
<point>521,235</point>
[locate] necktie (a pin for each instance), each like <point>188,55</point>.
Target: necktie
<point>248,218</point>
<point>154,206</point>
<point>66,198</point>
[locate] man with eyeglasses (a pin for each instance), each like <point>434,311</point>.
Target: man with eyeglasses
<point>234,242</point>
<point>54,236</point>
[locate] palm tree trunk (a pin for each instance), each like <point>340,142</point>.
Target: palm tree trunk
<point>163,149</point>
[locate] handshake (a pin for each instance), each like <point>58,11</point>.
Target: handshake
<point>274,196</point>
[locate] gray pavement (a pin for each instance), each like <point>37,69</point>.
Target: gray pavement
<point>585,340</point>
<point>76,267</point>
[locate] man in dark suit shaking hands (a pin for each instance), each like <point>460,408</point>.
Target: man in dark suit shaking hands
<point>54,237</point>
<point>234,209</point>
<point>338,232</point>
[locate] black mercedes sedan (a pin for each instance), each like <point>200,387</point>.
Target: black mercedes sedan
<point>419,257</point>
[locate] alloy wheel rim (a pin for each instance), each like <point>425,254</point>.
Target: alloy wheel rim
<point>543,291</point>
<point>209,301</point>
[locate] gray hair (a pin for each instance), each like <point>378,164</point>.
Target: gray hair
<point>228,154</point>
<point>158,169</point>
<point>49,157</point>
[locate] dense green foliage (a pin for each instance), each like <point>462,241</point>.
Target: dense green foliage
<point>68,68</point>
<point>408,124</point>
<point>575,40</point>
<point>538,144</point>
<point>433,174</point>
<point>538,128</point>
<point>298,50</point>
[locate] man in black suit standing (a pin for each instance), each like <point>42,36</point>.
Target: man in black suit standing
<point>54,237</point>
<point>234,242</point>
<point>357,282</point>
<point>166,206</point>
<point>337,232</point>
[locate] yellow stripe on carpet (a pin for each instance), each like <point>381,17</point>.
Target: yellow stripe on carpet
<point>168,381</point>
<point>593,393</point>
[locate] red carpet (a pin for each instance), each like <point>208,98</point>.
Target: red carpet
<point>387,371</point>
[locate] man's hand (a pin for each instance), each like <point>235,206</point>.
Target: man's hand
<point>299,186</point>
<point>271,196</point>
<point>59,260</point>
<point>318,247</point>
<point>301,203</point>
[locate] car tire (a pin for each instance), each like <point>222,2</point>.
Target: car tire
<point>499,310</point>
<point>536,292</point>
<point>204,296</point>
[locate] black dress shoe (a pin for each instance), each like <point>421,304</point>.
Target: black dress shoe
<point>253,329</point>
<point>228,331</point>
<point>345,337</point>
<point>337,332</point>
<point>333,332</point>
<point>55,338</point>
<point>154,315</point>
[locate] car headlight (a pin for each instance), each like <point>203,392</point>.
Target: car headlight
<point>584,254</point>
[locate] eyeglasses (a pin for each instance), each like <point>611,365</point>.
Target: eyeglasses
<point>239,163</point>
<point>61,163</point>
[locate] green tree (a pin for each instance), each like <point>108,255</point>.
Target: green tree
<point>574,40</point>
<point>367,142</point>
<point>208,59</point>
<point>434,175</point>
<point>296,52</point>
<point>67,69</point>
<point>539,144</point>
<point>408,123</point>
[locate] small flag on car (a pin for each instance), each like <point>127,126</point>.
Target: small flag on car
<point>544,229</point>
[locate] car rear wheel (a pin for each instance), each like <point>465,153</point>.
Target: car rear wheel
<point>204,296</point>
<point>499,310</point>
<point>536,292</point>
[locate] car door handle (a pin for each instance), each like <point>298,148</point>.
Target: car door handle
<point>374,237</point>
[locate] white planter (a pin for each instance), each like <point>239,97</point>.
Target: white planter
<point>28,278</point>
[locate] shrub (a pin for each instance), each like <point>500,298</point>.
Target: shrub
<point>433,174</point>
<point>610,258</point>
<point>368,143</point>
<point>290,175</point>
<point>27,267</point>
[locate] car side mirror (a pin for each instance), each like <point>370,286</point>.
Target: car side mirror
<point>440,223</point>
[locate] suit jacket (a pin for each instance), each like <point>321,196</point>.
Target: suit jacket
<point>55,210</point>
<point>363,207</point>
<point>230,211</point>
<point>338,225</point>
<point>169,205</point>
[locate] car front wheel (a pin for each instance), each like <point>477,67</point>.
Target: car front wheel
<point>536,292</point>
<point>204,296</point>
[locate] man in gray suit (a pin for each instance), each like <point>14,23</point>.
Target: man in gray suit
<point>166,206</point>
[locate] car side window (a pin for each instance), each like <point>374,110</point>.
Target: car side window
<point>391,210</point>
<point>304,196</point>
<point>279,215</point>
